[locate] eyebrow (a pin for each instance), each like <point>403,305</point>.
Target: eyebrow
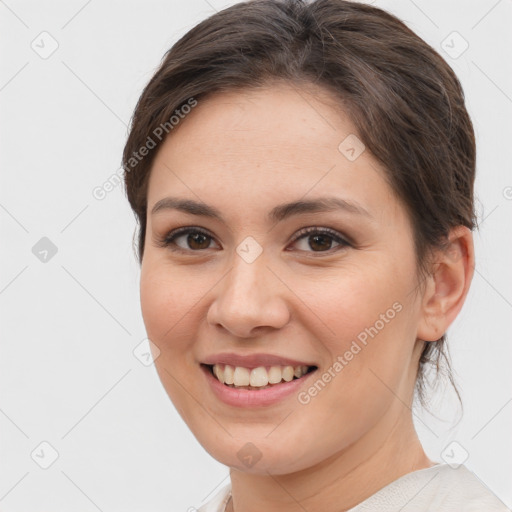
<point>277,214</point>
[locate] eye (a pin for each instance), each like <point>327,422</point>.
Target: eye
<point>187,239</point>
<point>314,239</point>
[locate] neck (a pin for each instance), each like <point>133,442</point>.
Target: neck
<point>339,483</point>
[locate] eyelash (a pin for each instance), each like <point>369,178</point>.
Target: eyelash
<point>169,240</point>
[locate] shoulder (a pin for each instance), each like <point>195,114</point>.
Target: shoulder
<point>218,502</point>
<point>440,487</point>
<point>461,488</point>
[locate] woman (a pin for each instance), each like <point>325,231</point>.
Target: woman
<point>303,174</point>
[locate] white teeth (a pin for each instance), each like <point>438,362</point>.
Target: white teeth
<point>275,375</point>
<point>288,373</point>
<point>229,372</point>
<point>259,377</point>
<point>241,376</point>
<point>218,372</point>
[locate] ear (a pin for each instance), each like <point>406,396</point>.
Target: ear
<point>447,285</point>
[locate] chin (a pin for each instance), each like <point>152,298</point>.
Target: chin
<point>259,453</point>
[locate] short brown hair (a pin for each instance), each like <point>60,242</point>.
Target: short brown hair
<point>404,99</point>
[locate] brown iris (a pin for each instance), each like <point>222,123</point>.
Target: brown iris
<point>324,242</point>
<point>198,241</point>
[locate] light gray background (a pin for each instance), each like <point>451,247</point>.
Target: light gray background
<point>68,375</point>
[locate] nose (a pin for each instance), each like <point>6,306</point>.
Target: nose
<point>249,300</point>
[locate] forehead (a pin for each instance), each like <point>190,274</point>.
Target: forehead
<point>278,143</point>
<point>280,119</point>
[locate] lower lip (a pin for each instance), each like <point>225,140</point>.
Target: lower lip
<point>254,398</point>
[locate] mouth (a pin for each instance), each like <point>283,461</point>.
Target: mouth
<point>259,378</point>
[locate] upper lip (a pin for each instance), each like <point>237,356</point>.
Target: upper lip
<point>253,360</point>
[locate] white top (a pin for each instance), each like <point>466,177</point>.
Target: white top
<point>439,488</point>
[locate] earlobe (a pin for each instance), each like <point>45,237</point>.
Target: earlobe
<point>447,285</point>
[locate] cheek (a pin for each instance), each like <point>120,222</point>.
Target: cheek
<point>166,304</point>
<point>369,330</point>
<point>167,310</point>
<point>352,300</point>
<point>369,360</point>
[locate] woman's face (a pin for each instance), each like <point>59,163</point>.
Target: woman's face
<point>265,285</point>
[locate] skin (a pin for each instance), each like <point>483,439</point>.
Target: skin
<point>244,152</point>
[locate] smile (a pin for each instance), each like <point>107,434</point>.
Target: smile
<point>262,395</point>
<point>258,378</point>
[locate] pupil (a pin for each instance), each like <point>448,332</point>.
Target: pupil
<point>324,238</point>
